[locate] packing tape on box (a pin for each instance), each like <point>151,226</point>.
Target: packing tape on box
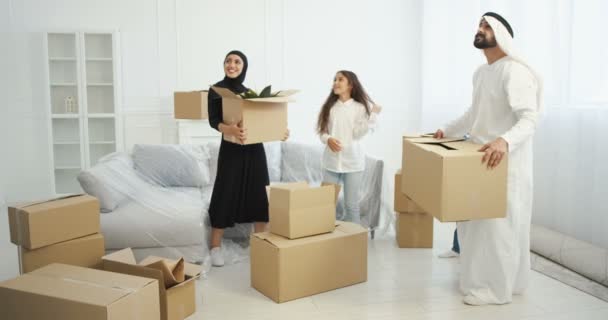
<point>97,285</point>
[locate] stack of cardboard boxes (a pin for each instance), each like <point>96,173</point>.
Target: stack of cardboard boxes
<point>446,179</point>
<point>61,230</point>
<point>306,251</point>
<point>60,248</point>
<point>414,226</point>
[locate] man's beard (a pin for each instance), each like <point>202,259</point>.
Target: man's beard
<point>481,42</point>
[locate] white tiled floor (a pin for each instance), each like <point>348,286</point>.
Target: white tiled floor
<point>402,284</point>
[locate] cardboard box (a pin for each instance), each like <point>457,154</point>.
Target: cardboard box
<point>447,179</point>
<point>38,224</point>
<point>65,292</point>
<point>84,252</point>
<point>414,230</point>
<point>264,118</point>
<point>177,302</point>
<point>297,210</point>
<point>284,269</point>
<point>190,105</point>
<point>402,202</point>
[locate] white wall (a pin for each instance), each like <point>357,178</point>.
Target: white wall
<point>296,44</point>
<point>144,26</point>
<point>8,252</point>
<point>168,45</point>
<point>179,45</point>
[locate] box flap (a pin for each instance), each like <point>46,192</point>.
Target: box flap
<point>409,135</point>
<point>124,256</point>
<point>173,271</point>
<point>190,270</point>
<point>424,139</point>
<point>287,93</point>
<point>225,93</point>
<point>453,149</point>
<point>23,205</point>
<point>465,147</point>
<point>342,229</point>
<point>123,261</point>
<point>204,90</point>
<point>276,99</point>
<point>283,96</point>
<point>290,186</point>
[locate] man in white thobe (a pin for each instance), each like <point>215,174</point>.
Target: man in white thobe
<point>495,253</point>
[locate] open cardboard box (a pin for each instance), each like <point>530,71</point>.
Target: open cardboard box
<point>447,179</point>
<point>177,302</point>
<point>264,118</point>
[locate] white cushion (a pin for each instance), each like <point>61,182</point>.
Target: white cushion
<point>102,180</point>
<point>173,165</point>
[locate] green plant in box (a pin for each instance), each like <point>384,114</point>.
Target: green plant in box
<point>266,93</point>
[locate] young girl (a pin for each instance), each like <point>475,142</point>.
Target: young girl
<point>346,117</point>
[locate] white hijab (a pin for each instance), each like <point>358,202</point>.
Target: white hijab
<point>505,42</point>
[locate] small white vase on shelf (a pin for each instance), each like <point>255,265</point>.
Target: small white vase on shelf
<point>70,105</point>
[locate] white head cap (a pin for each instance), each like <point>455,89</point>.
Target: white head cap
<point>505,42</point>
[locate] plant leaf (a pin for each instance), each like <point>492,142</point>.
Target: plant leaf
<point>266,92</point>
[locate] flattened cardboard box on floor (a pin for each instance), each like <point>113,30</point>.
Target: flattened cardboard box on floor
<point>447,179</point>
<point>65,292</point>
<point>298,210</point>
<point>402,202</point>
<point>284,269</point>
<point>190,105</point>
<point>85,252</point>
<point>39,224</point>
<point>177,302</point>
<point>264,118</point>
<point>414,230</point>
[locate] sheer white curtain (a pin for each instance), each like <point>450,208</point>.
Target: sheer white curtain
<point>565,41</point>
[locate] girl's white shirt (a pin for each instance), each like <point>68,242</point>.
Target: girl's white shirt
<point>348,123</point>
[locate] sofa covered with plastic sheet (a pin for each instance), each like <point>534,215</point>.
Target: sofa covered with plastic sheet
<point>155,199</point>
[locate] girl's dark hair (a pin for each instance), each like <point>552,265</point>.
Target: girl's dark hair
<point>358,94</point>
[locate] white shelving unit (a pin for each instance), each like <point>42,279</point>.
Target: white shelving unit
<point>83,66</point>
